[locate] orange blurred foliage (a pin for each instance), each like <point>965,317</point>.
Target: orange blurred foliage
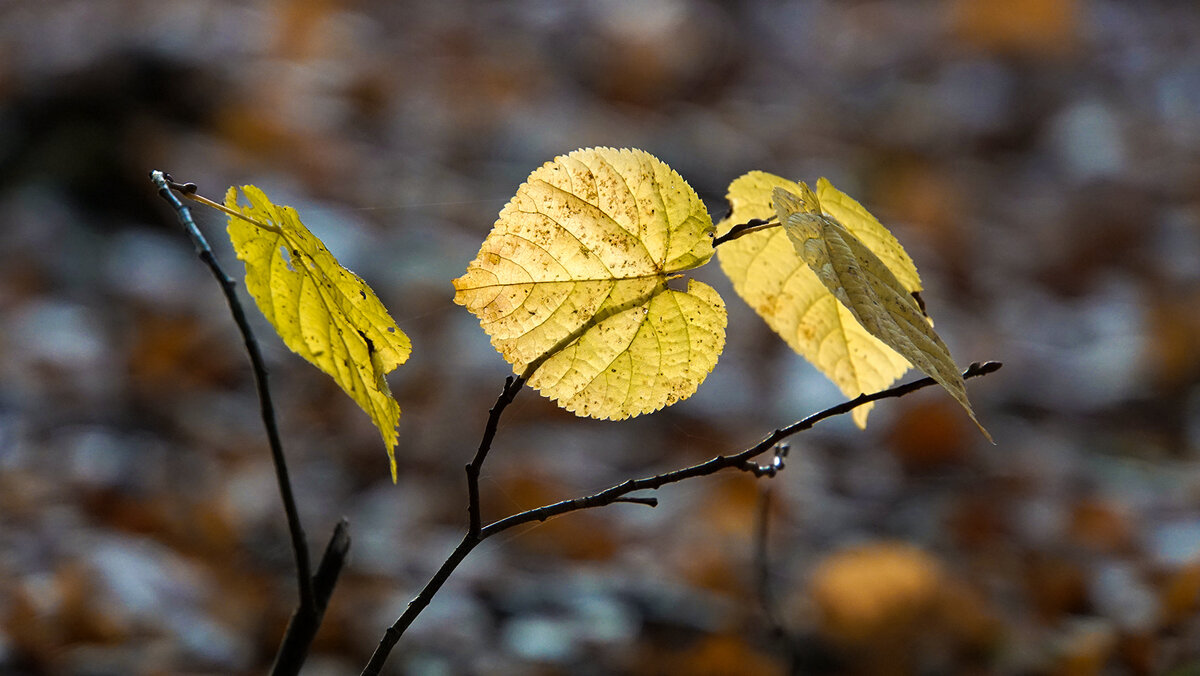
<point>875,593</point>
<point>714,655</point>
<point>1036,28</point>
<point>581,535</point>
<point>930,432</point>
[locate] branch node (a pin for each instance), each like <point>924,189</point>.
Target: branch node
<point>648,501</point>
<point>771,469</point>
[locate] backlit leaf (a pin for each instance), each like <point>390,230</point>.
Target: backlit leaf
<point>321,310</point>
<point>572,284</point>
<point>866,287</point>
<point>770,276</point>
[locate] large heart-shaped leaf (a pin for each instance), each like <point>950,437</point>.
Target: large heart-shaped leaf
<point>572,284</point>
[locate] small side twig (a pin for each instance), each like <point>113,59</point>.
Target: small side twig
<point>771,469</point>
<point>762,559</point>
<point>303,626</point>
<point>763,587</point>
<point>638,500</point>
<point>294,647</point>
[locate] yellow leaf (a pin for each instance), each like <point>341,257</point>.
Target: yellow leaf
<point>868,288</point>
<point>770,276</point>
<point>321,310</point>
<point>571,284</point>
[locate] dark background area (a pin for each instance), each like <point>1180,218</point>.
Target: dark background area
<point>1040,160</point>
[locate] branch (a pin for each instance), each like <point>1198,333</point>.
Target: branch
<point>305,622</point>
<point>415,606</point>
<point>753,225</point>
<point>767,595</point>
<point>308,600</point>
<point>608,496</point>
<point>762,559</point>
<point>512,386</point>
<point>720,462</point>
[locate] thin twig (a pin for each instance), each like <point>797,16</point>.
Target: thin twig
<point>753,225</point>
<point>188,190</point>
<point>639,500</point>
<point>613,494</point>
<point>305,622</point>
<point>719,462</point>
<point>762,557</point>
<point>308,602</point>
<point>418,603</point>
<point>512,387</point>
<point>762,561</point>
<point>762,575</point>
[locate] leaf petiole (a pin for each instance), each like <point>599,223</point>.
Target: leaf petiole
<point>753,225</point>
<point>188,190</point>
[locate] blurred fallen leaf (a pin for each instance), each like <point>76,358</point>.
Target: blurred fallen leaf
<point>928,432</point>
<point>580,536</point>
<point>1056,586</point>
<point>1101,526</point>
<point>878,593</point>
<point>1180,594</point>
<point>1018,27</point>
<point>714,655</point>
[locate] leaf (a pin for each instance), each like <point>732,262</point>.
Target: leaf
<point>321,310</point>
<point>571,284</point>
<point>867,287</point>
<point>770,276</point>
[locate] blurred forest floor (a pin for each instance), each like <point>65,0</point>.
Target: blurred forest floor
<point>1040,159</point>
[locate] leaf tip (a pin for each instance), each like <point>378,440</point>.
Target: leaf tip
<point>986,435</point>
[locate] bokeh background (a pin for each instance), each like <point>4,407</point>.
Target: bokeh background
<point>1040,159</point>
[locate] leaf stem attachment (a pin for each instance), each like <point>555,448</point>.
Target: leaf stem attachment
<point>753,225</point>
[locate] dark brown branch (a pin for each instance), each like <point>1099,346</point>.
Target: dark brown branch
<point>720,462</point>
<point>308,600</point>
<point>753,225</point>
<point>638,500</point>
<point>762,556</point>
<point>229,287</point>
<point>419,602</point>
<point>608,496</point>
<point>512,386</point>
<point>763,589</point>
<point>305,622</point>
